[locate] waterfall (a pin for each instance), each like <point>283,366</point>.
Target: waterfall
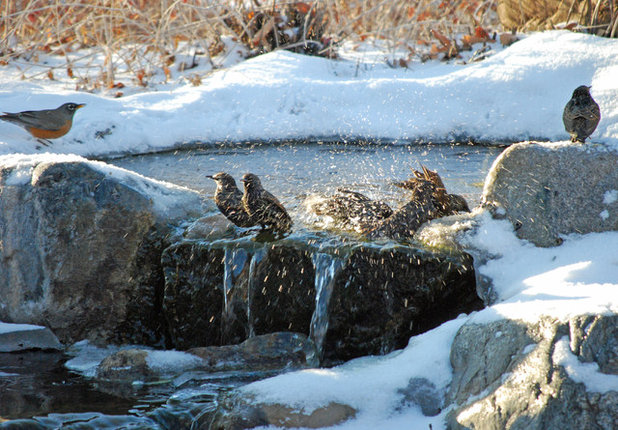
<point>234,261</point>
<point>326,266</point>
<point>255,259</point>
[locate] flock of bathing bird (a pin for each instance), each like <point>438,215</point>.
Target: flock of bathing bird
<point>350,209</point>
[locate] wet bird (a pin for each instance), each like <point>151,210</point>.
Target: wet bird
<point>45,124</point>
<point>581,114</point>
<point>228,199</point>
<point>263,207</point>
<point>404,222</point>
<point>351,210</point>
<point>375,219</point>
<point>447,203</point>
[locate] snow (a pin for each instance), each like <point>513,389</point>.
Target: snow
<point>585,373</point>
<point>516,94</point>
<point>166,197</point>
<point>10,328</point>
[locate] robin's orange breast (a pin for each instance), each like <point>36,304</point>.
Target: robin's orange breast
<point>50,134</point>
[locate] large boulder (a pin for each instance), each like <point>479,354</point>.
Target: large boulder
<point>540,188</point>
<point>77,246</point>
<point>353,301</point>
<point>515,374</point>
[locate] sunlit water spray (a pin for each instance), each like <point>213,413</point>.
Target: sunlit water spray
<point>258,255</point>
<point>294,171</point>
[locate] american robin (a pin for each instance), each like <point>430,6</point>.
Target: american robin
<point>229,200</point>
<point>581,114</point>
<point>263,207</point>
<point>45,124</point>
<point>352,210</point>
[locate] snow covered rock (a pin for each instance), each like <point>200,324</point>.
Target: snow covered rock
<point>547,374</point>
<point>20,337</point>
<point>550,190</point>
<point>272,352</point>
<point>75,240</point>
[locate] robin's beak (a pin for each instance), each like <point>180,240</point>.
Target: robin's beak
<point>80,106</point>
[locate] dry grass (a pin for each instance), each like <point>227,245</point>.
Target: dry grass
<point>143,37</point>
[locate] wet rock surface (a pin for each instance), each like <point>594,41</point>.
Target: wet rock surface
<point>382,296</point>
<point>271,352</point>
<point>505,376</point>
<point>377,299</point>
<point>539,186</point>
<point>237,412</point>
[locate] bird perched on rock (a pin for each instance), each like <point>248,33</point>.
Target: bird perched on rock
<point>581,114</point>
<point>263,207</point>
<point>351,210</point>
<point>45,124</point>
<point>229,200</point>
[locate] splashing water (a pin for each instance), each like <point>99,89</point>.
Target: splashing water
<point>326,267</point>
<point>233,262</point>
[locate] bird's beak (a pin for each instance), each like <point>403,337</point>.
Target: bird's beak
<point>210,176</point>
<point>80,106</point>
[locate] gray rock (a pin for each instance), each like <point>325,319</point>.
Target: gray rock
<point>423,393</point>
<point>267,353</point>
<point>509,381</point>
<point>74,243</point>
<point>274,351</point>
<point>219,293</point>
<point>237,411</point>
<point>34,338</point>
<point>553,190</point>
<point>126,365</point>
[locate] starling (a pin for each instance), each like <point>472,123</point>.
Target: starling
<point>404,222</point>
<point>352,210</point>
<point>581,114</point>
<point>229,200</point>
<point>263,207</point>
<point>446,203</point>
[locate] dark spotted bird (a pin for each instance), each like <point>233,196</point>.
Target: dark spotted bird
<point>429,200</point>
<point>448,204</point>
<point>263,207</point>
<point>45,124</point>
<point>351,210</point>
<point>404,222</point>
<point>581,114</point>
<point>229,200</point>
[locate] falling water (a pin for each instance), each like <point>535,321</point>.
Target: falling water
<point>233,263</point>
<point>255,259</point>
<point>326,266</point>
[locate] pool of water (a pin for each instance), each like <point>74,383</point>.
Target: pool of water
<point>294,171</point>
<point>38,388</point>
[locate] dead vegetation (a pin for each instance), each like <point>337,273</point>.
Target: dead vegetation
<point>142,37</point>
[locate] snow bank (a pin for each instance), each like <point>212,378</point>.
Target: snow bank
<point>166,197</point>
<point>516,94</point>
